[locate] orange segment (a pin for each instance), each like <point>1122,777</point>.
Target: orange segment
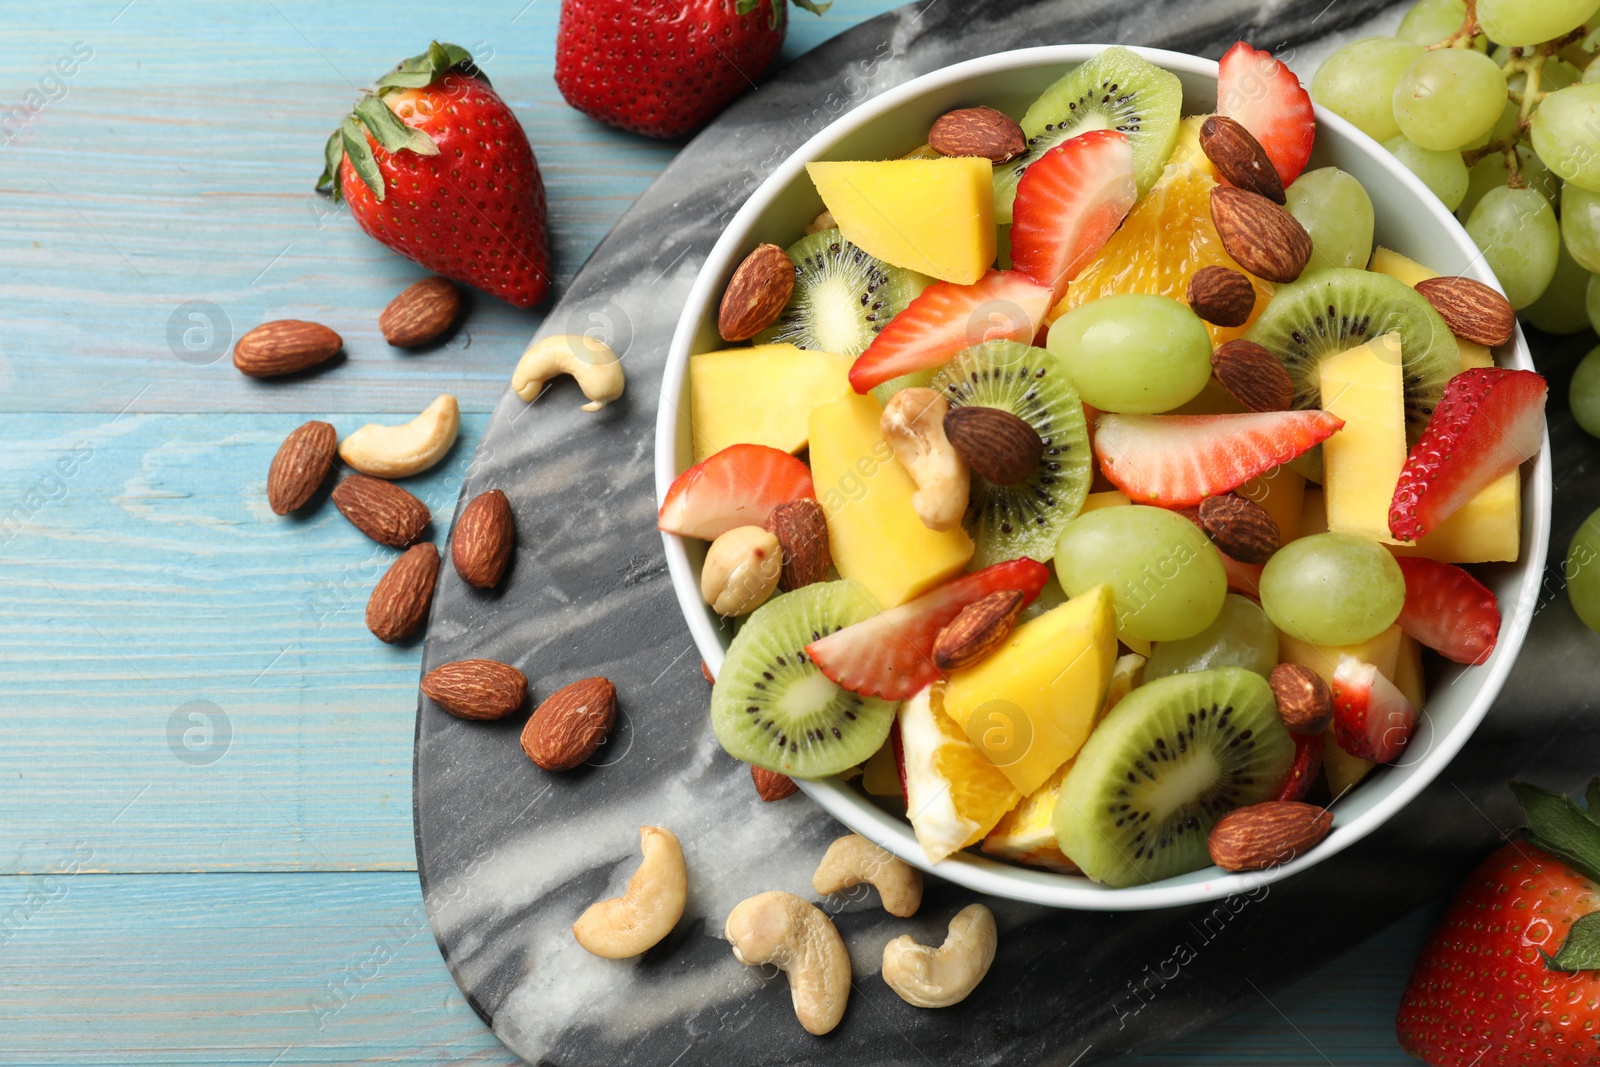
<point>953,795</point>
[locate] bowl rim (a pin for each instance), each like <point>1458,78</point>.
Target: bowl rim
<point>982,873</point>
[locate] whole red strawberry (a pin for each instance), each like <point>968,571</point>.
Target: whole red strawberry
<point>1509,976</point>
<point>435,165</point>
<point>665,67</point>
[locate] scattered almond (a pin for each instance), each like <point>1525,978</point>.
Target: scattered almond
<point>1240,528</point>
<point>1266,240</point>
<point>1305,703</point>
<point>756,293</point>
<point>981,628</point>
<point>302,463</point>
<point>399,603</point>
<point>1253,376</point>
<point>802,533</point>
<point>771,785</point>
<point>1473,311</point>
<point>1262,835</point>
<point>1222,296</point>
<point>284,347</point>
<point>1239,158</point>
<point>381,510</point>
<point>484,537</point>
<point>570,725</point>
<point>480,689</point>
<point>977,131</point>
<point>422,312</point>
<point>995,443</point>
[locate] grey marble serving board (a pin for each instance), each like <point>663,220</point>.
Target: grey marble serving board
<point>510,855</point>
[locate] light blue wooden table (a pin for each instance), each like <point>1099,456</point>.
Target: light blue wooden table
<point>205,804</point>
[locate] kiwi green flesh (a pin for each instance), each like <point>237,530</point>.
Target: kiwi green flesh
<point>1165,764</point>
<point>1012,521</point>
<point>774,708</point>
<point>1116,90</point>
<point>842,296</point>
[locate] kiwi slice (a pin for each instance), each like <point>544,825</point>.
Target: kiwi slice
<point>774,708</point>
<point>842,296</point>
<point>1116,90</point>
<point>1173,757</point>
<point>1011,521</point>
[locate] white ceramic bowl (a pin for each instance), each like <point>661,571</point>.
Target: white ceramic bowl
<point>1409,219</point>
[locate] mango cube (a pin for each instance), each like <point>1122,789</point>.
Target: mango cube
<point>1408,676</point>
<point>760,396</point>
<point>1361,463</point>
<point>1383,652</point>
<point>875,534</point>
<point>1281,493</point>
<point>1487,529</point>
<point>934,216</point>
<point>1392,263</point>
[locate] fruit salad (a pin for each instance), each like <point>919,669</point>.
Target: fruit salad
<point>1091,489</point>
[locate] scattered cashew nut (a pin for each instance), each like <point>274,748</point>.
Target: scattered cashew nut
<point>913,424</point>
<point>853,859</point>
<point>927,977</point>
<point>596,368</point>
<point>741,570</point>
<point>797,938</point>
<point>410,448</point>
<point>650,907</point>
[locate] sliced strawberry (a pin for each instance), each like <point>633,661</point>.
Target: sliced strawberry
<point>738,486</point>
<point>1303,771</point>
<point>1372,719</point>
<point>899,758</point>
<point>1177,460</point>
<point>1449,610</point>
<point>1068,205</point>
<point>1488,422</point>
<point>1265,97</point>
<point>891,655</point>
<point>945,318</point>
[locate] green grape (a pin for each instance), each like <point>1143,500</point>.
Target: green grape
<point>1242,636</point>
<point>1442,172</point>
<point>1591,73</point>
<point>1357,83</point>
<point>1564,307</point>
<point>1583,396</point>
<point>1517,232</point>
<point>1556,74</point>
<point>1566,134</point>
<point>1519,23</point>
<point>1133,352</point>
<point>1488,173</point>
<point>1166,577</point>
<point>1592,302</point>
<point>1431,21</point>
<point>1537,176</point>
<point>1583,572</point>
<point>1337,213</point>
<point>1449,98</point>
<point>1331,589</point>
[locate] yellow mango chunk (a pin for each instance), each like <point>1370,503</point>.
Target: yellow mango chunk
<point>1487,529</point>
<point>760,396</point>
<point>1281,493</point>
<point>934,216</point>
<point>880,775</point>
<point>876,537</point>
<point>1387,261</point>
<point>1361,463</point>
<point>1343,770</point>
<point>1110,499</point>
<point>1408,676</point>
<point>1383,652</point>
<point>1030,706</point>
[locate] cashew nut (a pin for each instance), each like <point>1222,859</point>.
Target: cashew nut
<point>741,570</point>
<point>853,859</point>
<point>783,930</point>
<point>928,977</point>
<point>913,424</point>
<point>410,448</point>
<point>596,368</point>
<point>652,905</point>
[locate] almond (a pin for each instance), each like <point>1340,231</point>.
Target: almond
<point>422,312</point>
<point>802,533</point>
<point>1253,376</point>
<point>381,510</point>
<point>995,443</point>
<point>483,539</point>
<point>1305,703</point>
<point>1262,835</point>
<point>302,463</point>
<point>977,131</point>
<point>1473,311</point>
<point>481,689</point>
<point>983,626</point>
<point>1266,240</point>
<point>756,293</point>
<point>1222,296</point>
<point>570,725</point>
<point>284,347</point>
<point>1239,158</point>
<point>1240,528</point>
<point>399,603</point>
<point>771,785</point>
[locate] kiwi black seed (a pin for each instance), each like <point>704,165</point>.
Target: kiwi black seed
<point>842,296</point>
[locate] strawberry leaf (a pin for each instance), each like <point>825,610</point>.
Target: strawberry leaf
<point>1558,826</point>
<point>814,7</point>
<point>744,7</point>
<point>391,133</point>
<point>333,155</point>
<point>360,153</point>
<point>1591,798</point>
<point>420,71</point>
<point>1581,950</point>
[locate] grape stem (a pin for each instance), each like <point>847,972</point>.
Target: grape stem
<point>1464,34</point>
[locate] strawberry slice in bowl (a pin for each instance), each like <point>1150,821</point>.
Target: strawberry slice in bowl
<point>739,486</point>
<point>1261,94</point>
<point>1372,719</point>
<point>1448,610</point>
<point>1069,204</point>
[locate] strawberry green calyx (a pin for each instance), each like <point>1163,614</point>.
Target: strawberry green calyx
<point>1558,825</point>
<point>372,116</point>
<point>744,7</point>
